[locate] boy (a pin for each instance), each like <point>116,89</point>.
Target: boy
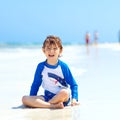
<point>54,76</point>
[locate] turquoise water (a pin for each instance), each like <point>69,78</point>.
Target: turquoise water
<point>29,43</point>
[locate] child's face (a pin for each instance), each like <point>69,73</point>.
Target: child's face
<point>52,53</point>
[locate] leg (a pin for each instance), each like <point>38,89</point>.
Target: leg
<point>62,96</point>
<point>38,102</point>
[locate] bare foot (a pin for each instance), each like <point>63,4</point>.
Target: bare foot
<point>76,103</point>
<point>57,105</point>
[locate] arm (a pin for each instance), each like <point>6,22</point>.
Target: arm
<point>73,84</point>
<point>71,81</point>
<point>37,80</point>
<point>74,89</point>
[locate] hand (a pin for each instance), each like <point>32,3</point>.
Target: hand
<point>74,102</point>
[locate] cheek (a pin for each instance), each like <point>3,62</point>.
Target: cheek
<point>45,52</point>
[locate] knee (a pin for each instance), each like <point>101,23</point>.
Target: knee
<point>65,93</point>
<point>24,99</point>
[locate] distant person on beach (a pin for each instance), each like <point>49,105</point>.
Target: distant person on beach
<point>95,37</point>
<point>55,77</point>
<point>87,38</point>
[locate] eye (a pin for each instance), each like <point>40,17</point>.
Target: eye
<point>48,49</point>
<point>55,49</point>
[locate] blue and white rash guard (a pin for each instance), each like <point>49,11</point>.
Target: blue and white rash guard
<point>54,78</point>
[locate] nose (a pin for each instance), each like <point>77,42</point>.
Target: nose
<point>51,50</point>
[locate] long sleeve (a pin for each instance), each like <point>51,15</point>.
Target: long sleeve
<point>37,80</point>
<point>70,80</point>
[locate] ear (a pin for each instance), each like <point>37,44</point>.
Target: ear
<point>43,50</point>
<point>61,50</point>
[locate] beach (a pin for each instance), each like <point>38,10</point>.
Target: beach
<point>96,69</point>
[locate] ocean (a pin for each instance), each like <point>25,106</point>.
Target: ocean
<point>65,41</point>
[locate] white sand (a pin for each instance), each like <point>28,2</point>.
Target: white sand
<point>96,70</point>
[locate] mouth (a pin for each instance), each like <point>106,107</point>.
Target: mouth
<point>51,55</point>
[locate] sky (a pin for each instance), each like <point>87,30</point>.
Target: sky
<point>33,20</point>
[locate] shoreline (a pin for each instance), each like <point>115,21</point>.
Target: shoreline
<point>39,45</point>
